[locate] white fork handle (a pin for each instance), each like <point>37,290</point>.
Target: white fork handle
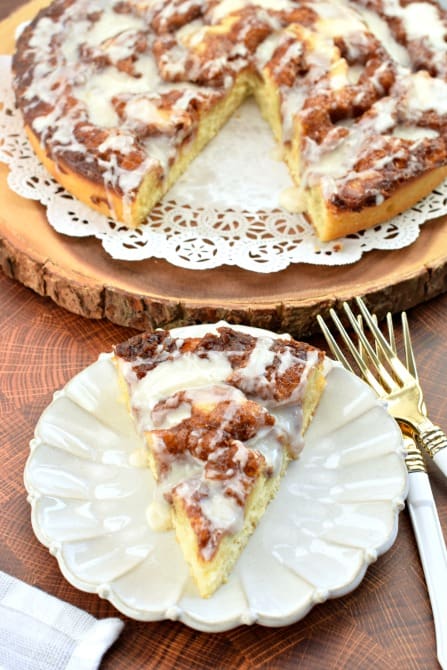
<point>433,554</point>
<point>440,458</point>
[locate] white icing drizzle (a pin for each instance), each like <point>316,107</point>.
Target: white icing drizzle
<point>292,200</point>
<point>342,21</point>
<point>92,50</point>
<point>170,377</point>
<point>421,20</point>
<point>382,32</point>
<point>107,27</point>
<point>206,382</point>
<point>223,511</point>
<point>266,49</point>
<point>261,358</point>
<point>414,133</point>
<point>159,511</point>
<point>328,167</point>
<point>225,7</point>
<point>424,93</point>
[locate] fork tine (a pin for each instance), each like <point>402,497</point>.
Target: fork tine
<point>409,354</point>
<point>372,324</point>
<point>333,346</point>
<point>360,324</point>
<point>365,346</point>
<point>410,360</point>
<point>390,328</point>
<point>391,337</point>
<point>364,368</point>
<point>361,350</point>
<point>398,368</point>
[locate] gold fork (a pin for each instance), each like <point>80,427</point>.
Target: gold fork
<point>395,383</point>
<point>413,454</point>
<point>394,389</point>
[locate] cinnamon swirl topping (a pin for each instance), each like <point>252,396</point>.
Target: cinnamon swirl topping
<point>118,97</point>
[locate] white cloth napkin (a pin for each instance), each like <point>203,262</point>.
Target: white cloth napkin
<point>40,632</point>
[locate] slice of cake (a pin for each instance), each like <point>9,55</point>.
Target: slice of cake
<point>222,415</point>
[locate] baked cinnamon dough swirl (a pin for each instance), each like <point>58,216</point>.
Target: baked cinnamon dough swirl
<point>119,96</point>
<point>222,415</point>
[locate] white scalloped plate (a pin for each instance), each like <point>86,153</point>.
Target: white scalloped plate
<point>336,511</point>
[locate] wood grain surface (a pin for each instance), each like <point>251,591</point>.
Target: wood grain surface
<point>78,275</point>
<point>385,623</point>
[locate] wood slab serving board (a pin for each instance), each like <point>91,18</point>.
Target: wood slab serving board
<point>78,275</point>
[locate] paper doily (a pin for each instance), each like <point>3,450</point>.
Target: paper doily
<point>223,211</point>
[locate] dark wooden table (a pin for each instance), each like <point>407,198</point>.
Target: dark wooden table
<point>386,622</point>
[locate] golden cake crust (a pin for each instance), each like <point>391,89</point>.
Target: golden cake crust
<point>119,97</point>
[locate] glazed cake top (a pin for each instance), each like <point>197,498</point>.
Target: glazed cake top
<point>113,89</point>
<point>219,413</point>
